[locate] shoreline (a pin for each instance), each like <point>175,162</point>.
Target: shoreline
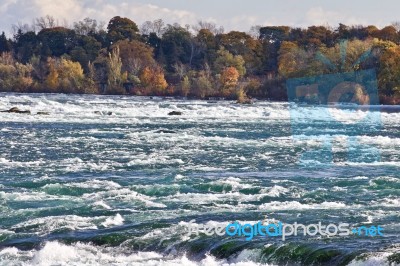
<point>166,97</point>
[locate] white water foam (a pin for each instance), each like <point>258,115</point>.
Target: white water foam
<point>55,253</point>
<point>295,205</point>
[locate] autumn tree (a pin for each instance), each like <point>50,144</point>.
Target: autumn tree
<point>389,33</point>
<point>315,36</point>
<point>14,76</point>
<point>389,74</point>
<point>229,77</point>
<point>153,80</point>
<point>136,56</point>
<point>225,60</point>
<point>291,60</point>
<point>65,76</point>
<point>70,76</point>
<point>345,56</point>
<point>52,83</point>
<point>240,43</point>
<point>48,56</point>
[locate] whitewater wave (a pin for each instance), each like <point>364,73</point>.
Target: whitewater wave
<point>55,253</point>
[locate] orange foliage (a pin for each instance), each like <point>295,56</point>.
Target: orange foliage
<point>229,77</point>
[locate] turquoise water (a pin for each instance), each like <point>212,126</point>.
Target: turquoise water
<point>82,187</point>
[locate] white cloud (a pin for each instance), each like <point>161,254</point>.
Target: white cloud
<point>62,9</point>
<point>319,16</point>
<point>242,22</point>
<point>24,11</point>
<point>15,11</point>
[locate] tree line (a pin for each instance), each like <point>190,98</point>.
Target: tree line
<point>200,61</point>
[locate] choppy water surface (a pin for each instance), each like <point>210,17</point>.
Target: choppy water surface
<point>82,187</point>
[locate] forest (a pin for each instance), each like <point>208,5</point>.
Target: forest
<point>200,61</point>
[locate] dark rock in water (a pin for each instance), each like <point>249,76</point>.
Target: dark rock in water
<point>43,113</point>
<point>175,113</point>
<point>24,112</point>
<point>165,131</point>
<point>16,111</point>
<point>103,113</point>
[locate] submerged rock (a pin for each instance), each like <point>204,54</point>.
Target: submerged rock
<point>16,110</point>
<point>175,113</point>
<point>103,113</point>
<point>43,113</point>
<point>166,131</point>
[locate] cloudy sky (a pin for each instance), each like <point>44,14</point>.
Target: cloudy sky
<point>232,14</point>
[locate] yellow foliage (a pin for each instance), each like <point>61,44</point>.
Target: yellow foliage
<point>70,70</point>
<point>64,75</point>
<point>52,82</point>
<point>145,76</point>
<point>185,86</point>
<point>289,60</point>
<point>153,79</point>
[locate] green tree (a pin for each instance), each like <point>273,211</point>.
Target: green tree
<point>57,41</point>
<point>5,44</point>
<point>240,43</point>
<point>209,47</point>
<point>26,45</point>
<point>178,46</point>
<point>85,51</point>
<point>115,76</point>
<point>225,59</point>
<point>121,29</point>
<point>274,34</point>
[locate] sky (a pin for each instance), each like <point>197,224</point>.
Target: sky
<point>231,14</point>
